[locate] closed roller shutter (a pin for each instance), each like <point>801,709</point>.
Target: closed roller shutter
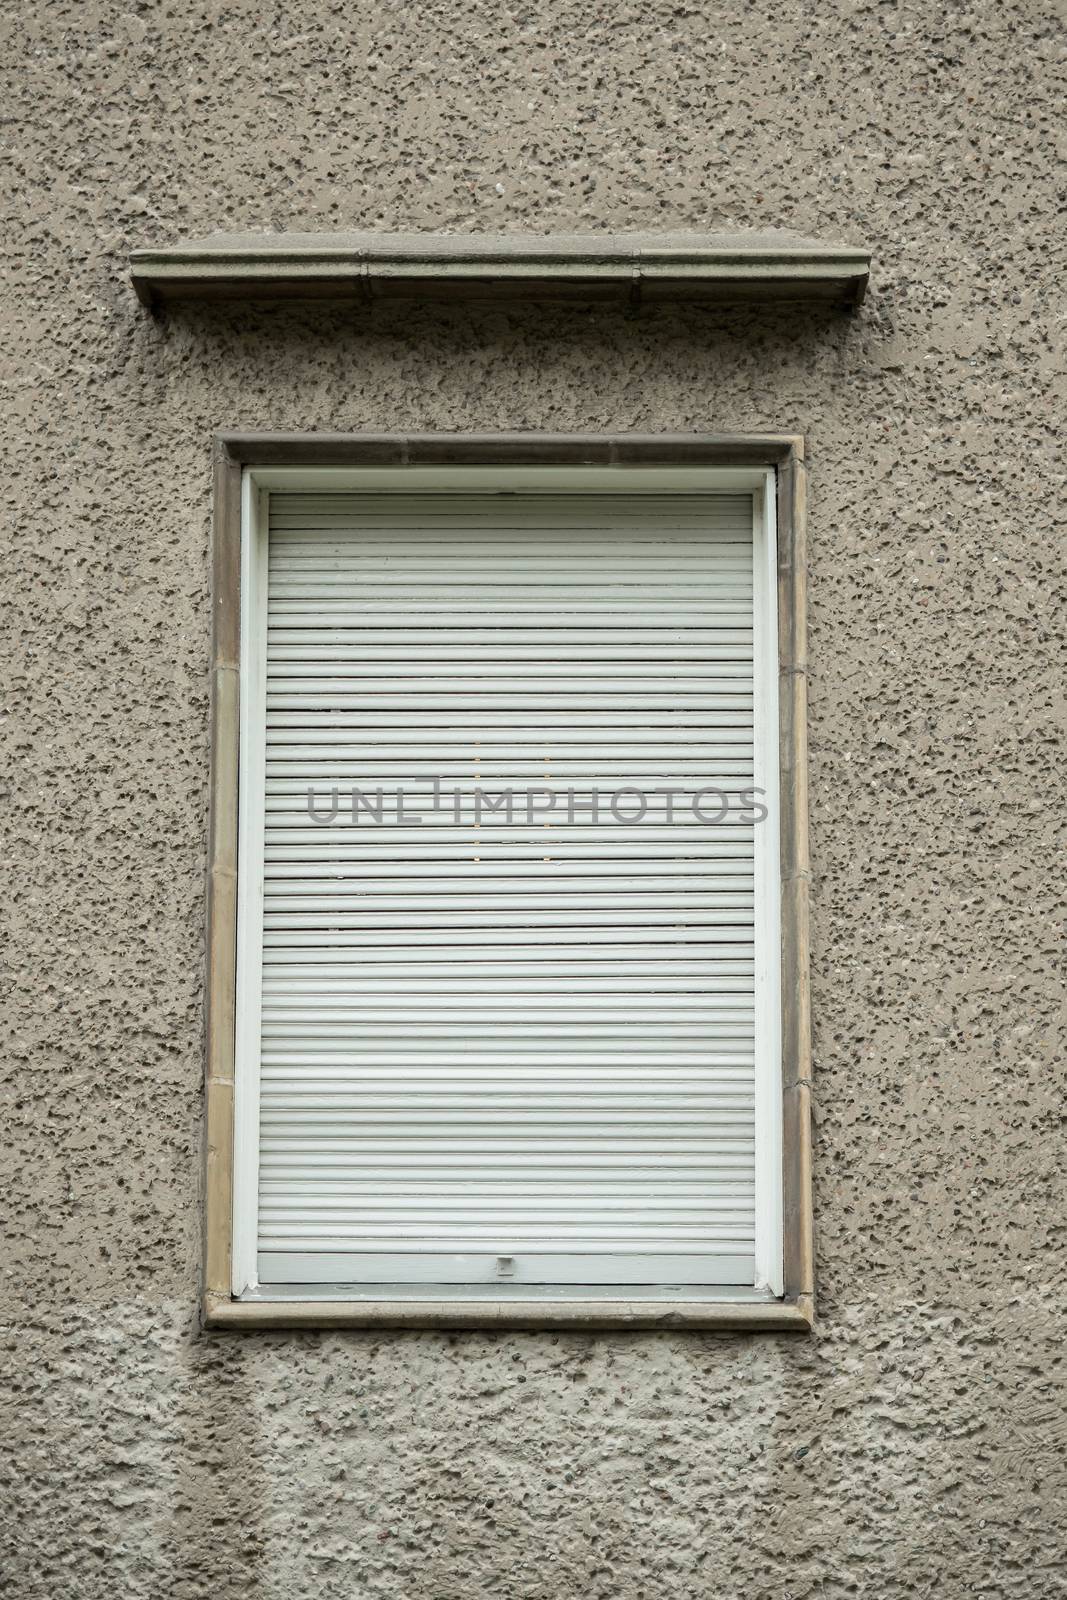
<point>503,1049</point>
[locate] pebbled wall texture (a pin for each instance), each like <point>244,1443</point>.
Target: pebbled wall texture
<point>916,1444</point>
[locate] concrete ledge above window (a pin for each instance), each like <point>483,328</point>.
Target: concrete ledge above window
<point>624,269</point>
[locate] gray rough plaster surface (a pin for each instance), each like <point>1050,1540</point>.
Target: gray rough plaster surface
<point>915,1445</point>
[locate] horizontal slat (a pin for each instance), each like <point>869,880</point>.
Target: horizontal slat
<point>341,672</point>
<point>570,726</point>
<point>383,919</point>
<point>333,819</point>
<point>717,816</point>
<point>488,874</point>
<point>637,955</point>
<point>554,1042</point>
<point>362,1108</point>
<point>520,1024</point>
<point>496,966</point>
<point>671,938</point>
<point>497,1218</point>
<point>714,625</point>
<point>677,1265</point>
<point>426,506</point>
<point>509,522</point>
<point>475,840</point>
<point>547,830</point>
<point>382,795</point>
<point>426,852</point>
<point>361,642</point>
<point>567,561</point>
<point>438,1166</point>
<point>470,773</point>
<point>544,1057</point>
<point>500,1078</point>
<point>517,532</point>
<point>285,1010</point>
<point>347,891</point>
<point>364,1115</point>
<point>717,821</point>
<point>614,546</point>
<point>551,977</point>
<point>552,578</point>
<point>610,528</point>
<point>411,519</point>
<point>588,612</point>
<point>339,709</point>
<point>503,529</point>
<point>448,1165</point>
<point>363,854</point>
<point>313,1165</point>
<point>646,1141</point>
<point>500,528</point>
<point>508,1234</point>
<point>726,1196</point>
<point>295,767</point>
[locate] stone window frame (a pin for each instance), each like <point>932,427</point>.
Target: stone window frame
<point>713,1310</point>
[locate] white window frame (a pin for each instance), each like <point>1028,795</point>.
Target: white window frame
<point>257,485</point>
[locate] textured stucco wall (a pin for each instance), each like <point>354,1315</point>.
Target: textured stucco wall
<point>915,1444</point>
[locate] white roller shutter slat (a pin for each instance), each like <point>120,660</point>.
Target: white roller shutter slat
<point>543,733</point>
<point>507,1048</point>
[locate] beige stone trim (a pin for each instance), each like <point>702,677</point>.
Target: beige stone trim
<point>221,973</point>
<point>786,453</point>
<point>580,1316</point>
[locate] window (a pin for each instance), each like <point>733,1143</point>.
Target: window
<point>501,1008</point>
